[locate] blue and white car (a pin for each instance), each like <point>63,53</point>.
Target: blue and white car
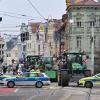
<point>26,79</point>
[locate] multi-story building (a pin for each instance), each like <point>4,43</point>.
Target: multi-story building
<point>42,38</point>
<point>12,51</point>
<point>83,28</point>
<point>1,49</point>
<point>33,43</point>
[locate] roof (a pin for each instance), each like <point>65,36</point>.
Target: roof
<point>88,2</point>
<point>85,3</point>
<point>10,44</point>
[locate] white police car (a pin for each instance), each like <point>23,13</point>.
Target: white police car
<point>89,82</point>
<point>28,78</point>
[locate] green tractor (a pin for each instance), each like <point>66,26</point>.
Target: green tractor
<point>75,67</point>
<point>46,65</point>
<point>49,70</point>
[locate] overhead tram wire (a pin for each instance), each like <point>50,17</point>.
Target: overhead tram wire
<point>16,14</point>
<point>36,9</point>
<point>19,17</point>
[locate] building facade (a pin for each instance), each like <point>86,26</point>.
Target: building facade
<point>41,38</point>
<point>83,28</point>
<point>12,51</point>
<point>2,43</point>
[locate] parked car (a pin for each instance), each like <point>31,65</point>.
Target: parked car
<point>89,82</point>
<point>28,78</point>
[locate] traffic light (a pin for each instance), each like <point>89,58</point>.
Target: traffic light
<point>0,19</point>
<point>24,36</point>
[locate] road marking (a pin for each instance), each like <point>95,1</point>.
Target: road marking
<point>31,98</point>
<point>7,89</point>
<point>16,90</point>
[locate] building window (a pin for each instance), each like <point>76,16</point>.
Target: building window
<point>30,45</point>
<point>30,37</point>
<point>39,49</point>
<point>7,55</point>
<point>0,46</point>
<point>78,24</point>
<point>16,55</point>
<point>99,22</point>
<point>78,42</point>
<point>2,52</point>
<point>92,23</point>
<point>37,36</point>
<point>91,40</point>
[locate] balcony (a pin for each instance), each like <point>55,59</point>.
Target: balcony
<point>78,30</point>
<point>96,29</point>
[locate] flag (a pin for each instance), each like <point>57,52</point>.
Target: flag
<point>34,27</point>
<point>68,3</point>
<point>41,27</point>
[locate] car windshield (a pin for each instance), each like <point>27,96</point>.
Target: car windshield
<point>32,75</point>
<point>97,75</point>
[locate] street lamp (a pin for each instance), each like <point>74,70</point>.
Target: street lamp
<point>71,21</point>
<point>92,49</point>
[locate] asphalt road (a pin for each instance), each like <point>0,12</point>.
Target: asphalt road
<point>52,92</point>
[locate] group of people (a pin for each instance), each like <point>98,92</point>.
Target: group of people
<point>28,68</point>
<point>19,68</point>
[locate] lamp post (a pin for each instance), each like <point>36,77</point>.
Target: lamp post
<point>92,49</point>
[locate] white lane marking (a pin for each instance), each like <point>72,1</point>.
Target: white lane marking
<point>16,90</point>
<point>31,98</point>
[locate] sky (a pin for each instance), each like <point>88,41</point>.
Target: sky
<point>15,12</point>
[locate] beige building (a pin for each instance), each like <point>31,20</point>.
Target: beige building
<point>54,36</point>
<point>33,41</point>
<point>41,38</point>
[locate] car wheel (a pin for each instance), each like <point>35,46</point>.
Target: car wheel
<point>39,84</point>
<point>10,84</point>
<point>88,85</point>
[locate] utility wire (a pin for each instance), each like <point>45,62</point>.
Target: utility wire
<point>22,15</point>
<point>36,9</point>
<point>19,17</point>
<point>9,30</point>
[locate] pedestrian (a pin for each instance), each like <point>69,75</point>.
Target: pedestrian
<point>19,69</point>
<point>4,69</point>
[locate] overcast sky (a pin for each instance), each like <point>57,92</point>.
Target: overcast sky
<point>13,11</point>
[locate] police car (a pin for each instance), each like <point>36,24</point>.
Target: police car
<point>27,78</point>
<point>89,82</point>
<point>2,76</point>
